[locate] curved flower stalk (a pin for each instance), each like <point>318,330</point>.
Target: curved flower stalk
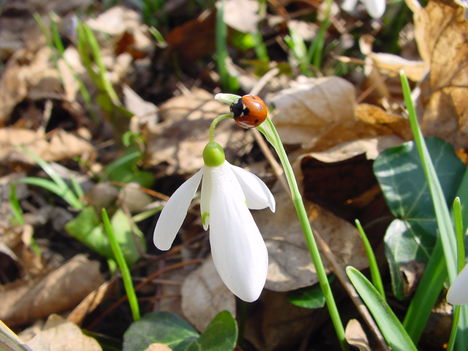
<point>375,8</point>
<point>227,192</point>
<point>458,292</point>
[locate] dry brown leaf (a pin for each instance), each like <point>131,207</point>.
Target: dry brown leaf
<point>289,264</point>
<point>26,301</point>
<point>70,67</point>
<point>241,15</point>
<point>276,324</point>
<point>195,38</point>
<point>179,140</point>
<point>17,26</point>
<point>23,71</point>
<point>311,108</point>
<point>442,37</point>
<point>60,335</point>
<point>158,347</point>
<point>204,295</point>
<point>356,336</point>
<point>392,64</point>
<point>125,26</point>
<point>371,147</point>
<point>89,303</point>
<point>139,107</point>
<point>55,146</point>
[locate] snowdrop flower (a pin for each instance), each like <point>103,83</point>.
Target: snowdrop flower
<point>375,8</point>
<point>458,292</point>
<point>227,192</point>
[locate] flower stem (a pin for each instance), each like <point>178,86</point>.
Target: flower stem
<point>271,134</point>
<point>215,122</point>
<point>119,258</point>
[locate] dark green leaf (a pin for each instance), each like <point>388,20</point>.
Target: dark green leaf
<point>159,327</point>
<point>87,228</point>
<point>221,334</point>
<point>411,237</point>
<point>308,297</point>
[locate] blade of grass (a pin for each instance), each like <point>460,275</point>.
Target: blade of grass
<point>373,266</point>
<point>64,192</point>
<point>444,222</point>
<point>426,295</point>
<point>389,325</point>
<point>15,206</point>
<point>227,82</point>
<point>458,221</point>
<point>446,229</point>
<point>102,73</point>
<point>126,276</point>
<point>315,52</point>
<point>77,188</point>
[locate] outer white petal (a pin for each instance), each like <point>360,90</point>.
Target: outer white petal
<point>256,192</point>
<point>205,197</point>
<point>458,292</point>
<point>239,252</point>
<point>375,8</point>
<point>173,214</point>
<point>348,5</point>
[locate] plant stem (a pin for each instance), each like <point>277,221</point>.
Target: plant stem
<point>271,134</point>
<point>119,257</point>
<point>215,122</point>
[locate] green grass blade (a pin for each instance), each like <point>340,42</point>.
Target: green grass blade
<point>46,168</point>
<point>444,222</point>
<point>227,82</point>
<point>446,229</point>
<point>77,188</point>
<point>373,266</point>
<point>15,206</point>
<point>458,221</point>
<point>389,325</point>
<point>65,193</point>
<point>426,295</point>
<point>119,257</point>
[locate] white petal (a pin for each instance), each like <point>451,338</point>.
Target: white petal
<point>205,197</point>
<point>458,292</point>
<point>239,252</point>
<point>348,5</point>
<point>173,214</point>
<point>256,192</point>
<point>375,8</point>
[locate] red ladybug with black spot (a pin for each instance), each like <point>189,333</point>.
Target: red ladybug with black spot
<point>249,111</point>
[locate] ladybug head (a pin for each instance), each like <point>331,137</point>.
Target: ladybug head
<point>237,108</point>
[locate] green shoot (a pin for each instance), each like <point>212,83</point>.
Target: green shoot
<point>227,82</point>
<point>57,185</point>
<point>373,266</point>
<point>119,257</point>
<point>17,212</point>
<point>446,228</point>
<point>388,323</point>
<point>90,55</point>
<point>458,220</point>
<point>315,52</point>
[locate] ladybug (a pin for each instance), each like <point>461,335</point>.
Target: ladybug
<point>249,111</point>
